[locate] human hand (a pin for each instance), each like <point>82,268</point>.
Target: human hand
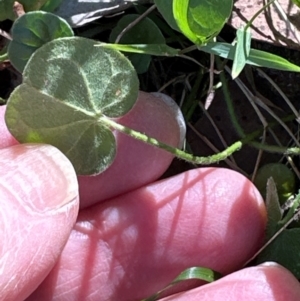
<point>133,245</point>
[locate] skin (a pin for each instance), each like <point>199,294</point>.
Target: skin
<point>135,243</point>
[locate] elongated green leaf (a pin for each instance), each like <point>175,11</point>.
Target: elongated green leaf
<point>145,32</point>
<point>256,57</point>
<point>60,102</point>
<point>274,211</point>
<point>198,273</point>
<point>3,57</point>
<point>242,51</point>
<point>33,30</point>
<point>152,49</point>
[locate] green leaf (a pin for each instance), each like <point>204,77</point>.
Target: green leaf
<point>6,7</point>
<point>198,273</point>
<point>68,85</point>
<point>256,57</point>
<point>3,57</point>
<point>274,211</point>
<point>297,2</point>
<point>207,17</point>
<point>180,12</point>
<point>33,30</point>
<point>145,32</point>
<point>153,49</point>
<point>51,5</point>
<point>165,7</point>
<point>285,251</point>
<point>242,51</point>
<point>201,20</point>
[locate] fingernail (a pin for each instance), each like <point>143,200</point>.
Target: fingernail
<point>170,102</point>
<point>38,176</point>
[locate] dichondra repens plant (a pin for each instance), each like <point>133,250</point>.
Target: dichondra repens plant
<point>70,101</point>
<point>72,89</point>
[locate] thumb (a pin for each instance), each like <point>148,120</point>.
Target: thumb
<point>38,208</point>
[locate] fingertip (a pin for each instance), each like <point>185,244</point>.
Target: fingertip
<point>39,205</point>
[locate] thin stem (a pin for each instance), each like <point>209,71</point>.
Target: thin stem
<point>188,49</point>
<point>175,151</point>
<point>228,100</point>
<point>136,21</point>
<point>257,14</point>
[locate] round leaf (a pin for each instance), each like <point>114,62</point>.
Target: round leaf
<point>145,32</point>
<point>207,17</point>
<point>69,84</point>
<point>33,30</point>
<point>165,7</point>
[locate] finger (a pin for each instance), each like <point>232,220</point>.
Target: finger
<point>137,163</point>
<point>268,282</point>
<point>134,245</point>
<point>38,208</point>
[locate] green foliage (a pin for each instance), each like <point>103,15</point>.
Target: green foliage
<point>285,251</point>
<point>51,5</point>
<point>145,32</point>
<point>256,57</point>
<point>200,21</point>
<point>165,7</point>
<point>297,2</point>
<point>274,210</point>
<point>283,243</point>
<point>193,273</point>
<point>6,7</point>
<point>31,31</point>
<point>242,51</point>
<point>61,102</point>
<point>152,49</point>
<point>283,177</point>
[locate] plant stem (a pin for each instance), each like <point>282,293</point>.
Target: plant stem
<point>228,100</point>
<point>175,151</point>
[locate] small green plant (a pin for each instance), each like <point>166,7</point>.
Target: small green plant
<point>75,88</point>
<point>283,177</point>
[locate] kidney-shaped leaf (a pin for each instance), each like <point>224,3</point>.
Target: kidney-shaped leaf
<point>146,32</point>
<point>68,85</point>
<point>165,7</point>
<point>201,20</point>
<point>207,17</point>
<point>33,30</point>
